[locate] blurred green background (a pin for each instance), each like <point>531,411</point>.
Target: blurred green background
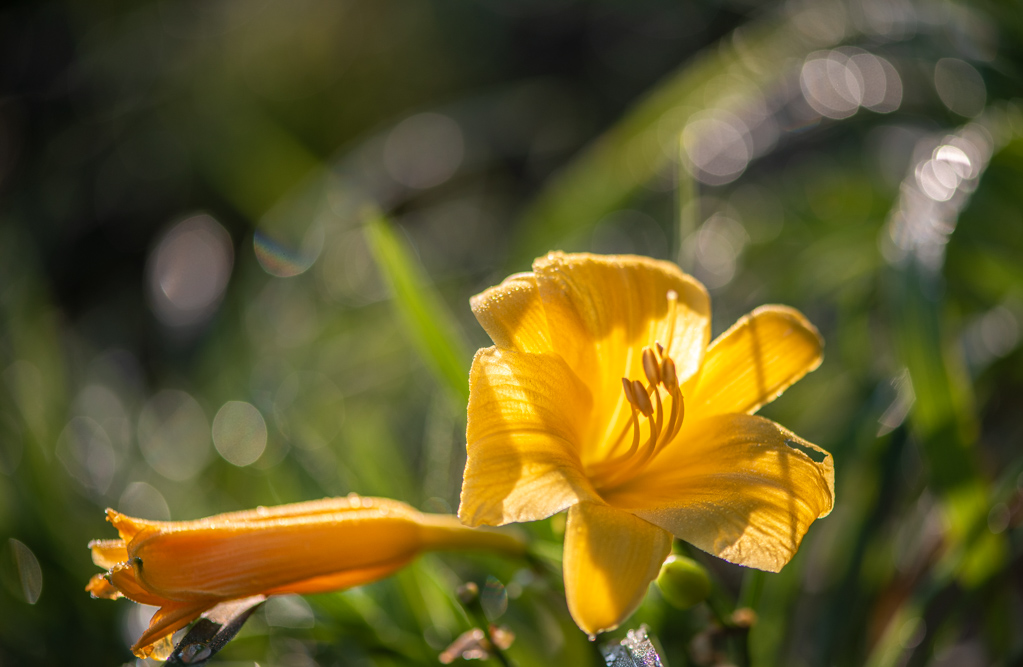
<point>201,309</point>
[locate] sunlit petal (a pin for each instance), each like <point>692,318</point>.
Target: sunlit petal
<point>513,315</point>
<point>600,307</point>
<point>753,362</point>
<point>165,622</point>
<point>127,527</point>
<point>610,559</point>
<point>738,486</point>
<point>100,587</point>
<point>108,553</point>
<point>122,577</point>
<point>527,412</point>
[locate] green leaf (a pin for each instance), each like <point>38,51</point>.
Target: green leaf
<point>427,321</point>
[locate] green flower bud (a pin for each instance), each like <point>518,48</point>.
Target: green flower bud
<point>684,583</point>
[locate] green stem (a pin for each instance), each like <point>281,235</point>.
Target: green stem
<point>719,614</point>
<point>752,587</point>
<point>444,532</point>
<point>496,652</point>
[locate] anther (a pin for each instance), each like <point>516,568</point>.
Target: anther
<point>630,396</point>
<point>642,400</point>
<point>660,349</point>
<point>650,367</point>
<point>668,374</point>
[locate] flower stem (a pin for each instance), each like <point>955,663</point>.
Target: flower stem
<point>441,532</point>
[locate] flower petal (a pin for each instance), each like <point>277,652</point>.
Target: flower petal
<point>526,416</point>
<point>108,553</point>
<point>512,314</point>
<point>753,362</point>
<point>740,487</point>
<point>599,307</point>
<point>100,587</point>
<point>166,621</point>
<point>122,577</point>
<point>127,527</point>
<point>610,559</point>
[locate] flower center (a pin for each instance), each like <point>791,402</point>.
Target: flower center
<point>657,409</point>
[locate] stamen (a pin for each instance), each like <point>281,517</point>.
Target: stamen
<point>651,444</point>
<point>668,374</point>
<point>670,378</point>
<point>681,416</point>
<point>651,367</point>
<point>621,467</point>
<point>628,425</point>
<point>677,414</point>
<point>616,464</point>
<point>660,371</point>
<point>629,395</point>
<point>660,407</point>
<point>642,400</point>
<point>633,423</point>
<point>635,463</point>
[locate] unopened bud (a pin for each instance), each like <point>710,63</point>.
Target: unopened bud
<point>684,583</point>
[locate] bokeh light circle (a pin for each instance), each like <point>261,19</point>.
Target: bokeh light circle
<point>309,410</point>
<point>27,571</point>
<point>239,433</point>
<point>144,501</point>
<point>424,151</point>
<point>960,86</point>
<point>85,450</point>
<point>174,435</point>
<point>718,146</point>
<point>188,271</point>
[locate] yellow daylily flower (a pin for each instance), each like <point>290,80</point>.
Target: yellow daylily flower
<point>602,396</point>
<point>188,567</point>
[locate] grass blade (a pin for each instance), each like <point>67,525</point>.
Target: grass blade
<point>427,320</point>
